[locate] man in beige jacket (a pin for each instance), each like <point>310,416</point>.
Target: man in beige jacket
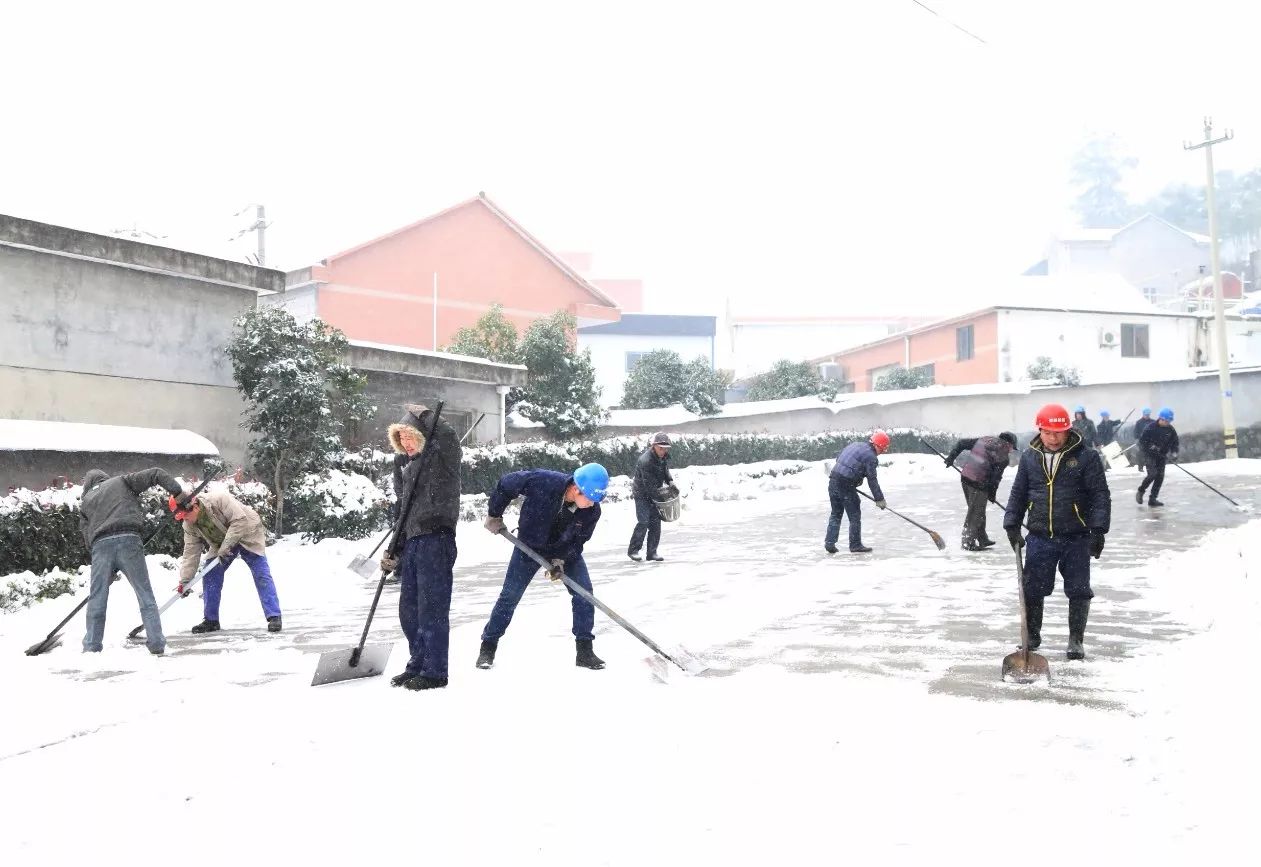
<point>226,528</point>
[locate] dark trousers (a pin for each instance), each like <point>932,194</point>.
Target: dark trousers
<point>844,497</point>
<point>1069,554</point>
<point>521,570</point>
<point>1155,476</point>
<point>974,521</point>
<point>649,524</point>
<point>426,571</point>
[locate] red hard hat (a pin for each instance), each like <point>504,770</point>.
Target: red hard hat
<point>174,506</point>
<point>880,440</point>
<point>1054,417</point>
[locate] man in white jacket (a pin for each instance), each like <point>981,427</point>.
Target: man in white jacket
<point>226,528</point>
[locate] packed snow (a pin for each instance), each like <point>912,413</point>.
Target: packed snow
<point>854,712</point>
<point>62,436</point>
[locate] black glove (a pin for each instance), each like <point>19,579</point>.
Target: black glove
<point>949,462</point>
<point>1096,545</point>
<point>1017,540</point>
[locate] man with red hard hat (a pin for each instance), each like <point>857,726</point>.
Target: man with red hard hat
<point>857,461</point>
<point>1061,487</point>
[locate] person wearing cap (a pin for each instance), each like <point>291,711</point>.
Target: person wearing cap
<point>110,519</point>
<point>426,561</point>
<point>855,462</point>
<point>558,516</point>
<point>982,470</point>
<point>1062,490</point>
<point>1085,427</point>
<point>1139,426</point>
<point>1158,445</point>
<point>221,525</point>
<point>652,475</point>
<point>1106,428</point>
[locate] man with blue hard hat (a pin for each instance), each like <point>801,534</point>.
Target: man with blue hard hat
<point>1139,426</point>
<point>1158,444</point>
<point>558,516</point>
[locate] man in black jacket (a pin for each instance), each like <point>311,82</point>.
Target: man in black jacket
<point>1158,445</point>
<point>1062,489</point>
<point>427,562</point>
<point>1139,426</point>
<point>652,473</point>
<point>982,470</point>
<point>110,518</point>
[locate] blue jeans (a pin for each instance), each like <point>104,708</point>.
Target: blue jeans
<point>122,552</point>
<point>1070,554</point>
<point>212,583</point>
<point>844,497</point>
<point>521,571</point>
<point>426,571</point>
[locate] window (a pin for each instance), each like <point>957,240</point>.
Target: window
<point>1151,293</point>
<point>1134,342</point>
<point>632,358</point>
<point>927,373</point>
<point>965,347</point>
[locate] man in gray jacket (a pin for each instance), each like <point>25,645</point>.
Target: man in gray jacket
<point>110,518</point>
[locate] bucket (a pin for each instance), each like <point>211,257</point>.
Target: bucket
<point>669,509</point>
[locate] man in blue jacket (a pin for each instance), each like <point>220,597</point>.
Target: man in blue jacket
<point>558,516</point>
<point>857,461</point>
<point>1062,489</point>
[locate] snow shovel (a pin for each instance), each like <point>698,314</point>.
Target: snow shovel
<point>1024,666</point>
<point>206,566</point>
<point>1206,484</point>
<point>53,639</point>
<point>686,662</point>
<point>935,536</point>
<point>361,661</point>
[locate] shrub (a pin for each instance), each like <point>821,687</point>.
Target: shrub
<point>339,504</point>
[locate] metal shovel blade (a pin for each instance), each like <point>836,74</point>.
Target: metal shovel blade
<point>680,660</point>
<point>335,666</point>
<point>1025,667</point>
<point>364,567</point>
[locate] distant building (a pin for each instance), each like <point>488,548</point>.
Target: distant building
<point>418,285</point>
<point>616,347</point>
<point>756,342</point>
<point>1100,325</point>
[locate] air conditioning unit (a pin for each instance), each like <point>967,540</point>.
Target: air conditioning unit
<point>831,370</point>
<point>1109,336</point>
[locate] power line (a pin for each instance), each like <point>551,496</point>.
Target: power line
<point>948,21</point>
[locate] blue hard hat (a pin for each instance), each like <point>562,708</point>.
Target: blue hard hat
<point>1103,413</point>
<point>592,480</point>
<point>1147,410</point>
<point>1080,409</point>
<point>1166,413</point>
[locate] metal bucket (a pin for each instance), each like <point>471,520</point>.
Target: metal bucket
<point>669,509</point>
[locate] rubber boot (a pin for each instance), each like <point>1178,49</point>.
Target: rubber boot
<point>586,657</point>
<point>1033,619</point>
<point>1078,610</point>
<point>486,658</point>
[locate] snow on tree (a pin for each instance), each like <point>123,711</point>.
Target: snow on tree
<point>660,378</point>
<point>900,378</point>
<point>301,394</point>
<point>562,394</point>
<point>1044,368</point>
<point>788,379</point>
<point>492,337</point>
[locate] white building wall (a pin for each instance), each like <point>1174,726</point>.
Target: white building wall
<point>1072,340</point>
<point>1154,255</point>
<point>608,354</point>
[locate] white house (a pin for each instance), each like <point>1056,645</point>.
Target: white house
<point>616,347</point>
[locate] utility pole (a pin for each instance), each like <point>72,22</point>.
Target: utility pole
<point>1219,304</point>
<point>259,227</point>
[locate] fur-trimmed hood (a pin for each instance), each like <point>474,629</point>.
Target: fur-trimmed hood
<point>409,422</point>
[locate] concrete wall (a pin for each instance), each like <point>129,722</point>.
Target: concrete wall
<point>608,354</point>
<point>111,331</point>
<point>468,387</point>
<point>1195,402</point>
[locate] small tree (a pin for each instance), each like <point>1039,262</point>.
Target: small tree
<point>492,337</point>
<point>660,378</point>
<point>562,393</point>
<point>900,378</point>
<point>1044,368</point>
<point>787,379</point>
<point>301,394</point>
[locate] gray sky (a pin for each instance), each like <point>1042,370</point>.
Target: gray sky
<point>796,157</point>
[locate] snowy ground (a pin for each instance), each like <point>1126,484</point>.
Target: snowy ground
<point>855,711</point>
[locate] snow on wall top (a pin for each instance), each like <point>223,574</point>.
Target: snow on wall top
<point>408,350</point>
<point>61,436</point>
